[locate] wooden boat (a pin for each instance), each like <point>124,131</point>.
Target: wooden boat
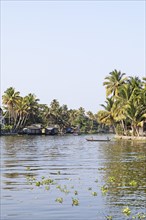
<point>102,140</point>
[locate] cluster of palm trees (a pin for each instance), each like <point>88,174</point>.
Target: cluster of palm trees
<point>125,105</point>
<point>124,108</point>
<point>23,111</point>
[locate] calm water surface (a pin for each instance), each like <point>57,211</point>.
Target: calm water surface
<point>115,170</point>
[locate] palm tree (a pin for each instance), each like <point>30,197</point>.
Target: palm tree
<point>21,110</point>
<point>10,99</point>
<point>107,116</point>
<point>33,108</point>
<point>114,82</point>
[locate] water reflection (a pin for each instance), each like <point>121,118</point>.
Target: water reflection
<point>74,165</point>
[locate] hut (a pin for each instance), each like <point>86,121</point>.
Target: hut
<point>50,131</point>
<point>33,129</point>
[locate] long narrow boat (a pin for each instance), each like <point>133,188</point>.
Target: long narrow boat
<point>91,139</point>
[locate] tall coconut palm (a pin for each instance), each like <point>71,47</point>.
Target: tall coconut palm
<point>107,116</point>
<point>33,107</point>
<point>21,110</point>
<point>114,82</point>
<point>10,99</point>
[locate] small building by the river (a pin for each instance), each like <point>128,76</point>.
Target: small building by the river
<point>33,129</point>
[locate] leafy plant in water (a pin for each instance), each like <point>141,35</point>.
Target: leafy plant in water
<point>141,216</point>
<point>111,179</point>
<point>47,187</point>
<point>38,183</point>
<point>109,217</point>
<point>76,192</point>
<point>90,188</point>
<point>133,183</point>
<point>104,189</point>
<point>60,200</point>
<point>75,202</point>
<point>126,211</point>
<point>94,193</point>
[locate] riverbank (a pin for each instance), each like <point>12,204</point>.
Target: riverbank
<point>136,138</point>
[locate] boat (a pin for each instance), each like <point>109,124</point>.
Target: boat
<point>102,140</point>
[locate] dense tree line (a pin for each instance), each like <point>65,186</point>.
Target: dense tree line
<point>125,105</point>
<point>124,108</point>
<point>23,111</point>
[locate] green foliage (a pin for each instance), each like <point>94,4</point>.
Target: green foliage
<point>126,211</point>
<point>75,202</point>
<point>60,200</point>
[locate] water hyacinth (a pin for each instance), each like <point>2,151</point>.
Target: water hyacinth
<point>94,193</point>
<point>75,202</point>
<point>126,211</point>
<point>133,183</point>
<point>60,200</point>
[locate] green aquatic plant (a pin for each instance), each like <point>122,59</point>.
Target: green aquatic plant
<point>75,202</point>
<point>111,179</point>
<point>58,173</point>
<point>133,183</point>
<point>60,200</point>
<point>96,181</point>
<point>58,187</point>
<point>76,192</point>
<point>109,217</point>
<point>126,211</point>
<point>141,216</point>
<point>104,189</point>
<point>47,187</point>
<point>38,183</point>
<point>94,193</point>
<point>47,181</point>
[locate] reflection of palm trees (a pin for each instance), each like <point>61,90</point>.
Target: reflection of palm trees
<point>125,161</point>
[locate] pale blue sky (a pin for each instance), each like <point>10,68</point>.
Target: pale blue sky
<point>65,49</point>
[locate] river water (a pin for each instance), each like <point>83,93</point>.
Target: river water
<point>103,177</point>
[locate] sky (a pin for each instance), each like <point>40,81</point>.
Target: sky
<point>64,49</point>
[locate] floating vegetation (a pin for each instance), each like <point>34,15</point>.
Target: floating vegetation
<point>126,211</point>
<point>104,189</point>
<point>75,202</point>
<point>47,187</point>
<point>47,182</point>
<point>133,183</point>
<point>111,179</point>
<point>38,183</point>
<point>109,217</point>
<point>141,216</point>
<point>60,200</point>
<point>76,192</point>
<point>94,193</point>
